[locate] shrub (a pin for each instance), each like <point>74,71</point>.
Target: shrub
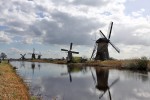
<point>139,64</point>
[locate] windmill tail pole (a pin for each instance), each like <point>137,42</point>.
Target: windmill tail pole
<point>93,52</point>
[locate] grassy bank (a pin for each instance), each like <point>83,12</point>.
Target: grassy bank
<point>11,85</point>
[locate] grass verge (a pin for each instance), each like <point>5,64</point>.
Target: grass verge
<point>11,85</point>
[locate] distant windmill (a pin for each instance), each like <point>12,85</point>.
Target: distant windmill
<point>22,56</point>
<point>33,54</point>
<point>39,55</point>
<point>69,57</point>
<point>101,46</point>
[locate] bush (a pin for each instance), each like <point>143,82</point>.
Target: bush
<point>139,64</point>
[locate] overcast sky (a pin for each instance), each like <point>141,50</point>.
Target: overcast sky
<point>49,25</point>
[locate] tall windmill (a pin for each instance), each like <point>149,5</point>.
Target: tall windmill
<point>33,54</point>
<point>22,56</point>
<point>69,57</point>
<point>101,46</point>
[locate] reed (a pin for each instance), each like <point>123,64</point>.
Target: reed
<point>140,64</point>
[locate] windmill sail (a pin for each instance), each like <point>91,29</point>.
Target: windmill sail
<point>115,47</point>
<point>64,50</point>
<point>110,30</point>
<point>71,46</point>
<point>93,51</point>
<point>75,52</point>
<point>103,34</point>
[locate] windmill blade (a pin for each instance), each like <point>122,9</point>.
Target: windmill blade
<point>93,51</point>
<point>109,94</point>
<point>24,54</point>
<point>70,77</point>
<point>94,79</point>
<point>102,94</point>
<point>115,47</point>
<point>64,50</point>
<point>114,82</point>
<point>71,46</point>
<point>110,30</point>
<point>21,54</point>
<point>102,34</point>
<point>75,52</point>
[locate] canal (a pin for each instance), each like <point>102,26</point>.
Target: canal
<point>61,82</point>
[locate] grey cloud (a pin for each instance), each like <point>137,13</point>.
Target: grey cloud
<point>72,29</point>
<point>125,35</point>
<point>92,3</point>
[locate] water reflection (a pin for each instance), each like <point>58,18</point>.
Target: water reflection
<point>22,64</point>
<point>53,81</point>
<point>140,75</point>
<point>39,66</point>
<point>102,81</point>
<point>33,67</point>
<point>72,69</point>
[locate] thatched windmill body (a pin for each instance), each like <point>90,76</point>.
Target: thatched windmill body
<point>101,46</point>
<point>70,52</point>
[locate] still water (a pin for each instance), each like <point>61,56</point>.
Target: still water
<point>62,82</point>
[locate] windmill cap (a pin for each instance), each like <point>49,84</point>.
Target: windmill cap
<point>102,40</point>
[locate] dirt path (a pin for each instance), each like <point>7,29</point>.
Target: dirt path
<point>11,86</point>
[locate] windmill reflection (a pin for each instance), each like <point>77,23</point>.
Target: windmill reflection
<point>39,65</point>
<point>22,64</point>
<point>102,81</point>
<point>33,67</point>
<point>73,69</point>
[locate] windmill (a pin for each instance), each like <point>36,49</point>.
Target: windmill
<point>22,56</point>
<point>102,81</point>
<point>101,46</point>
<point>33,54</point>
<point>69,57</point>
<point>39,55</point>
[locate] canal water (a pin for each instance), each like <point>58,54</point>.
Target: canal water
<point>61,82</point>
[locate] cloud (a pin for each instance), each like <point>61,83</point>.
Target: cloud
<point>4,38</point>
<point>15,50</point>
<point>61,22</point>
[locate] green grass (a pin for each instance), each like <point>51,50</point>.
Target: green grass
<point>77,59</point>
